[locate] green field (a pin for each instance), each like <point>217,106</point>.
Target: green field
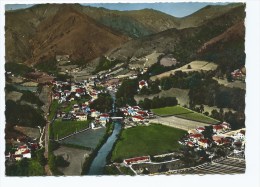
<point>142,140</point>
<point>198,117</point>
<point>185,113</point>
<point>61,129</point>
<point>53,108</point>
<point>170,110</point>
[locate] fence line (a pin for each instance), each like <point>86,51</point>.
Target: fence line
<point>73,134</point>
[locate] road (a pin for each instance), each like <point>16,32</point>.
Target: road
<point>179,123</point>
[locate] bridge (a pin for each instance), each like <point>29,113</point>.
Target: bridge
<point>116,118</point>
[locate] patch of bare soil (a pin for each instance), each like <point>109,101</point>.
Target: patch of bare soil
<point>29,131</point>
<point>14,96</point>
<point>75,157</point>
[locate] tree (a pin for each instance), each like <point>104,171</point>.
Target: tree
<point>201,108</point>
<point>40,157</point>
<point>103,103</point>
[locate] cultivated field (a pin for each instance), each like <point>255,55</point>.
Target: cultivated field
<point>146,140</point>
<point>63,128</point>
<point>89,138</point>
<point>195,66</point>
<point>184,113</point>
<point>179,123</point>
<point>225,166</point>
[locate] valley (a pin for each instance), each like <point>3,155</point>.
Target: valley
<point>124,92</point>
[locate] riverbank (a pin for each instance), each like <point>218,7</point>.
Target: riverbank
<point>88,160</point>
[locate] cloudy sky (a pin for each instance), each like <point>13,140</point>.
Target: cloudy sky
<point>174,9</point>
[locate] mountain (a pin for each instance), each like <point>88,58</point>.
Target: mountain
<point>183,43</point>
<point>226,49</point>
<point>205,14</point>
<point>73,33</point>
<point>136,23</point>
<point>26,30</point>
<point>20,27</point>
<point>41,32</point>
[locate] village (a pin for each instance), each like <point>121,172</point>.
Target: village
<point>74,103</point>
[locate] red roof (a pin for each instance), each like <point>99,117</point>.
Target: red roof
<point>195,135</point>
<point>142,82</point>
<point>22,147</point>
<point>190,143</point>
<point>204,141</point>
<point>142,113</point>
<point>201,128</point>
<point>138,117</point>
<point>79,90</point>
<point>104,115</point>
<point>57,94</point>
<point>26,151</point>
<point>131,160</point>
<point>92,110</point>
<point>136,107</point>
<point>243,132</point>
<point>218,127</point>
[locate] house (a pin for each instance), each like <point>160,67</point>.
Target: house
<point>196,137</point>
<point>66,93</point>
<point>136,108</point>
<point>137,160</point>
<point>103,118</point>
<point>200,129</point>
<point>80,91</point>
<point>60,114</point>
<point>241,134</point>
<point>190,144</point>
<point>192,131</point>
<point>81,116</point>
<point>56,96</point>
<point>142,113</point>
<point>131,112</point>
<point>238,74</point>
<point>76,108</point>
<point>142,83</point>
<point>94,113</point>
<point>204,143</point>
<point>226,125</point>
<point>137,118</point>
<point>22,152</point>
<point>218,129</point>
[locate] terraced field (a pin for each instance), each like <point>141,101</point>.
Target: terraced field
<point>226,166</point>
<point>194,66</point>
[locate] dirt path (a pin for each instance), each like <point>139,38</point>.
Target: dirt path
<point>179,123</point>
<point>76,157</point>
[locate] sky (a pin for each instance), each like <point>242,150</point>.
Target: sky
<point>174,9</point>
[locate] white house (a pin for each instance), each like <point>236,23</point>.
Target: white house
<point>204,143</point>
<point>142,83</point>
<point>81,116</point>
<point>94,113</point>
<point>138,118</point>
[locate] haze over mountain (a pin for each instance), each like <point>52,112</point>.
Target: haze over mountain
<point>185,43</point>
<point>43,31</point>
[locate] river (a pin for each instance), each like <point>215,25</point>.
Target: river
<point>99,162</point>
